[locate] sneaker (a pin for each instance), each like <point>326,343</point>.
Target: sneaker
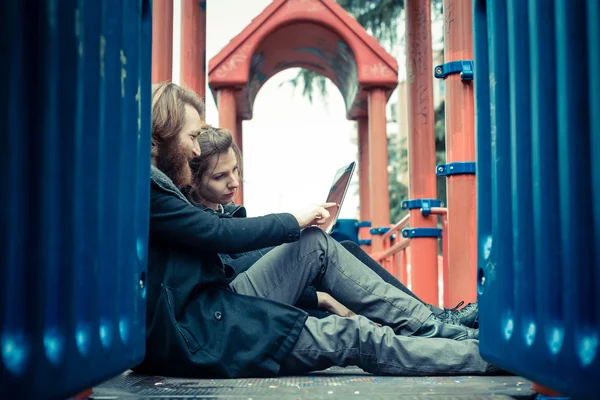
<point>467,316</point>
<point>434,327</point>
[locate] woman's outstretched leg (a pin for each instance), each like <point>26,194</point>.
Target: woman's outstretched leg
<point>337,341</point>
<point>467,316</point>
<point>363,257</point>
<point>318,260</point>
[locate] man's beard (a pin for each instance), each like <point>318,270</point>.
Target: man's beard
<point>173,161</point>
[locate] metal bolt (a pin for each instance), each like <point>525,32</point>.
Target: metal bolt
<point>438,70</point>
<point>451,168</point>
<point>441,169</point>
<point>141,283</point>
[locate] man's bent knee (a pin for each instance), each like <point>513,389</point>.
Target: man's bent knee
<point>314,234</point>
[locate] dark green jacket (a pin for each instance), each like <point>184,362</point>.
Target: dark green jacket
<point>196,326</point>
<point>240,262</point>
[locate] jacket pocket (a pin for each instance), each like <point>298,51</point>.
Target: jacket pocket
<point>188,338</point>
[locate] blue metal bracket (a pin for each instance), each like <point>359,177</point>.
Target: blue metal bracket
<point>379,231</point>
<point>421,232</point>
<point>424,204</point>
<point>465,67</point>
<point>456,168</point>
<point>364,242</point>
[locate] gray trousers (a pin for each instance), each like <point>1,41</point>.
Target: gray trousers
<point>318,260</point>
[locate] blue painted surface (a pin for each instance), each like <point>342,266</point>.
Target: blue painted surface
<point>421,232</point>
<point>593,26</point>
<point>463,67</point>
<point>537,106</point>
<point>456,168</point>
<point>341,63</point>
<point>74,159</point>
<point>424,204</point>
<point>345,229</point>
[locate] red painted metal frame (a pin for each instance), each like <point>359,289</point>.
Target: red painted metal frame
<point>193,45</point>
<point>162,40</point>
<point>394,256</point>
<point>460,146</point>
<point>228,119</point>
<point>363,171</point>
<point>443,214</point>
<point>421,144</point>
<point>378,164</point>
<point>392,243</point>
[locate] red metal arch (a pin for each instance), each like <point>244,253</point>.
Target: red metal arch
<point>332,57</point>
<point>319,35</point>
<point>274,34</point>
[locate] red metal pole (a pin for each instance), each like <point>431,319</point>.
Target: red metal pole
<point>227,110</point>
<point>421,145</point>
<point>363,178</point>
<point>228,120</point>
<point>460,146</point>
<point>403,262</point>
<point>378,164</point>
<point>445,274</point>
<point>392,263</point>
<point>162,40</point>
<point>238,136</point>
<point>193,45</point>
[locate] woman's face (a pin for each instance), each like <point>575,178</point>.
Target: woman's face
<point>222,179</point>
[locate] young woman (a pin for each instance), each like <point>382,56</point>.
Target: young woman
<point>216,179</point>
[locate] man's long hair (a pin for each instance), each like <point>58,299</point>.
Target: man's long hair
<point>168,111</point>
<point>168,118</point>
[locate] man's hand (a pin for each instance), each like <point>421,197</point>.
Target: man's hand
<point>313,215</point>
<point>328,303</point>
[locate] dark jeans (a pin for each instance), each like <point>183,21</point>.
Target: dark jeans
<point>318,260</point>
<point>382,272</point>
<point>241,262</point>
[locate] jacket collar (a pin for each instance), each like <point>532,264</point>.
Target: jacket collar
<point>231,210</point>
<point>161,180</point>
<point>235,210</point>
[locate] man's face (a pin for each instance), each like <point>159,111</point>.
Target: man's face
<point>174,156</point>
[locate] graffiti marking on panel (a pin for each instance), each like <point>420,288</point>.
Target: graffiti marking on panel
<point>102,52</point>
<point>239,57</point>
<point>123,72</point>
<point>79,33</point>
<point>378,70</point>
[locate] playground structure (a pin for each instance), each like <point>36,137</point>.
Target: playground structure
<point>321,36</point>
<point>528,256</point>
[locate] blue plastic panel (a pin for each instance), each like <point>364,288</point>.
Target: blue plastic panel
<point>537,96</point>
<point>345,229</point>
<point>75,163</point>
